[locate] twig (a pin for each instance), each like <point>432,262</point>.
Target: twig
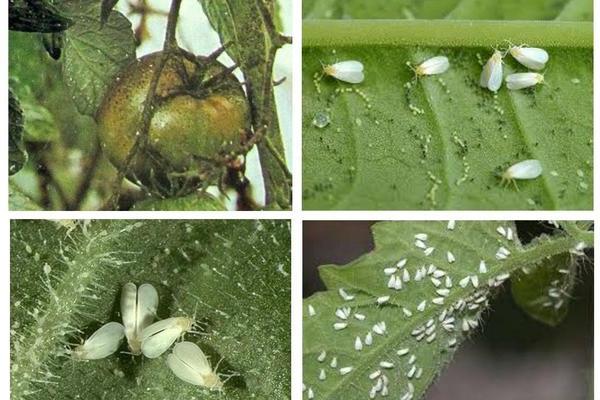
<point>278,157</point>
<point>142,139</point>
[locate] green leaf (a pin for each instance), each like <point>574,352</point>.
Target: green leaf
<point>444,136</point>
<point>241,24</point>
<point>35,16</point>
<point>94,53</point>
<point>544,294</point>
<point>196,202</point>
<point>17,156</point>
<point>366,280</point>
<point>19,201</point>
<point>233,276</point>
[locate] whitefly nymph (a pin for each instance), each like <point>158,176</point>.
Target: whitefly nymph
<point>104,342</point>
<point>138,309</point>
<point>527,169</point>
<point>350,71</point>
<point>191,365</point>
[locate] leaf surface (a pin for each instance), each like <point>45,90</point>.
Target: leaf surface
<point>430,331</point>
<point>443,136</point>
<point>232,276</point>
<point>94,53</point>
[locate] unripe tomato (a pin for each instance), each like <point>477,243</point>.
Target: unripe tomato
<point>183,129</point>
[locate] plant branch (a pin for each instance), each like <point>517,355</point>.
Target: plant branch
<point>317,33</point>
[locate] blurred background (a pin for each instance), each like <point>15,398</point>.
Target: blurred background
<point>514,357</point>
<point>66,169</point>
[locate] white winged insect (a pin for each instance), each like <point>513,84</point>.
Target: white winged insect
<point>138,309</point>
<point>104,342</point>
<point>531,57</point>
<point>491,76</point>
<point>158,337</point>
<point>527,169</point>
<point>523,80</point>
<point>190,364</point>
<point>433,66</point>
<point>347,71</point>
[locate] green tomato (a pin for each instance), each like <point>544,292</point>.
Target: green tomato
<point>184,129</point>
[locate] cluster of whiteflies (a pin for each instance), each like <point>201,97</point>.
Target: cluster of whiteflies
<point>531,57</point>
<point>152,339</point>
<point>352,71</point>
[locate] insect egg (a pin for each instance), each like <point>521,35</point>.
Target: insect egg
<point>346,71</point>
<point>530,57</point>
<point>311,311</point>
<point>523,80</point>
<point>104,342</point>
<point>190,364</point>
<point>138,309</point>
<point>491,76</point>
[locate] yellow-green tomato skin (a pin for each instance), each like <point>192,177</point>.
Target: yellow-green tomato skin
<point>183,128</point>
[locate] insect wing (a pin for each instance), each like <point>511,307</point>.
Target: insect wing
<point>192,355</point>
<point>348,71</point>
<point>158,337</point>
<point>128,309</point>
<point>491,76</point>
<point>184,371</point>
<point>530,57</point>
<point>528,169</point>
<point>147,303</point>
<point>435,65</point>
<point>104,342</point>
<point>521,80</point>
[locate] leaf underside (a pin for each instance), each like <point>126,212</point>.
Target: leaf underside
<point>445,138</point>
<point>233,276</point>
<point>427,331</point>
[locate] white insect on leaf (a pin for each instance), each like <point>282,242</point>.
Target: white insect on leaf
<point>433,66</point>
<point>527,169</point>
<point>138,309</point>
<point>159,336</point>
<point>347,71</point>
<point>189,363</point>
<point>491,76</point>
<point>522,80</point>
<point>531,57</point>
<point>104,342</point>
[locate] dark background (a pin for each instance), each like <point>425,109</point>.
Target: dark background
<point>513,357</point>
